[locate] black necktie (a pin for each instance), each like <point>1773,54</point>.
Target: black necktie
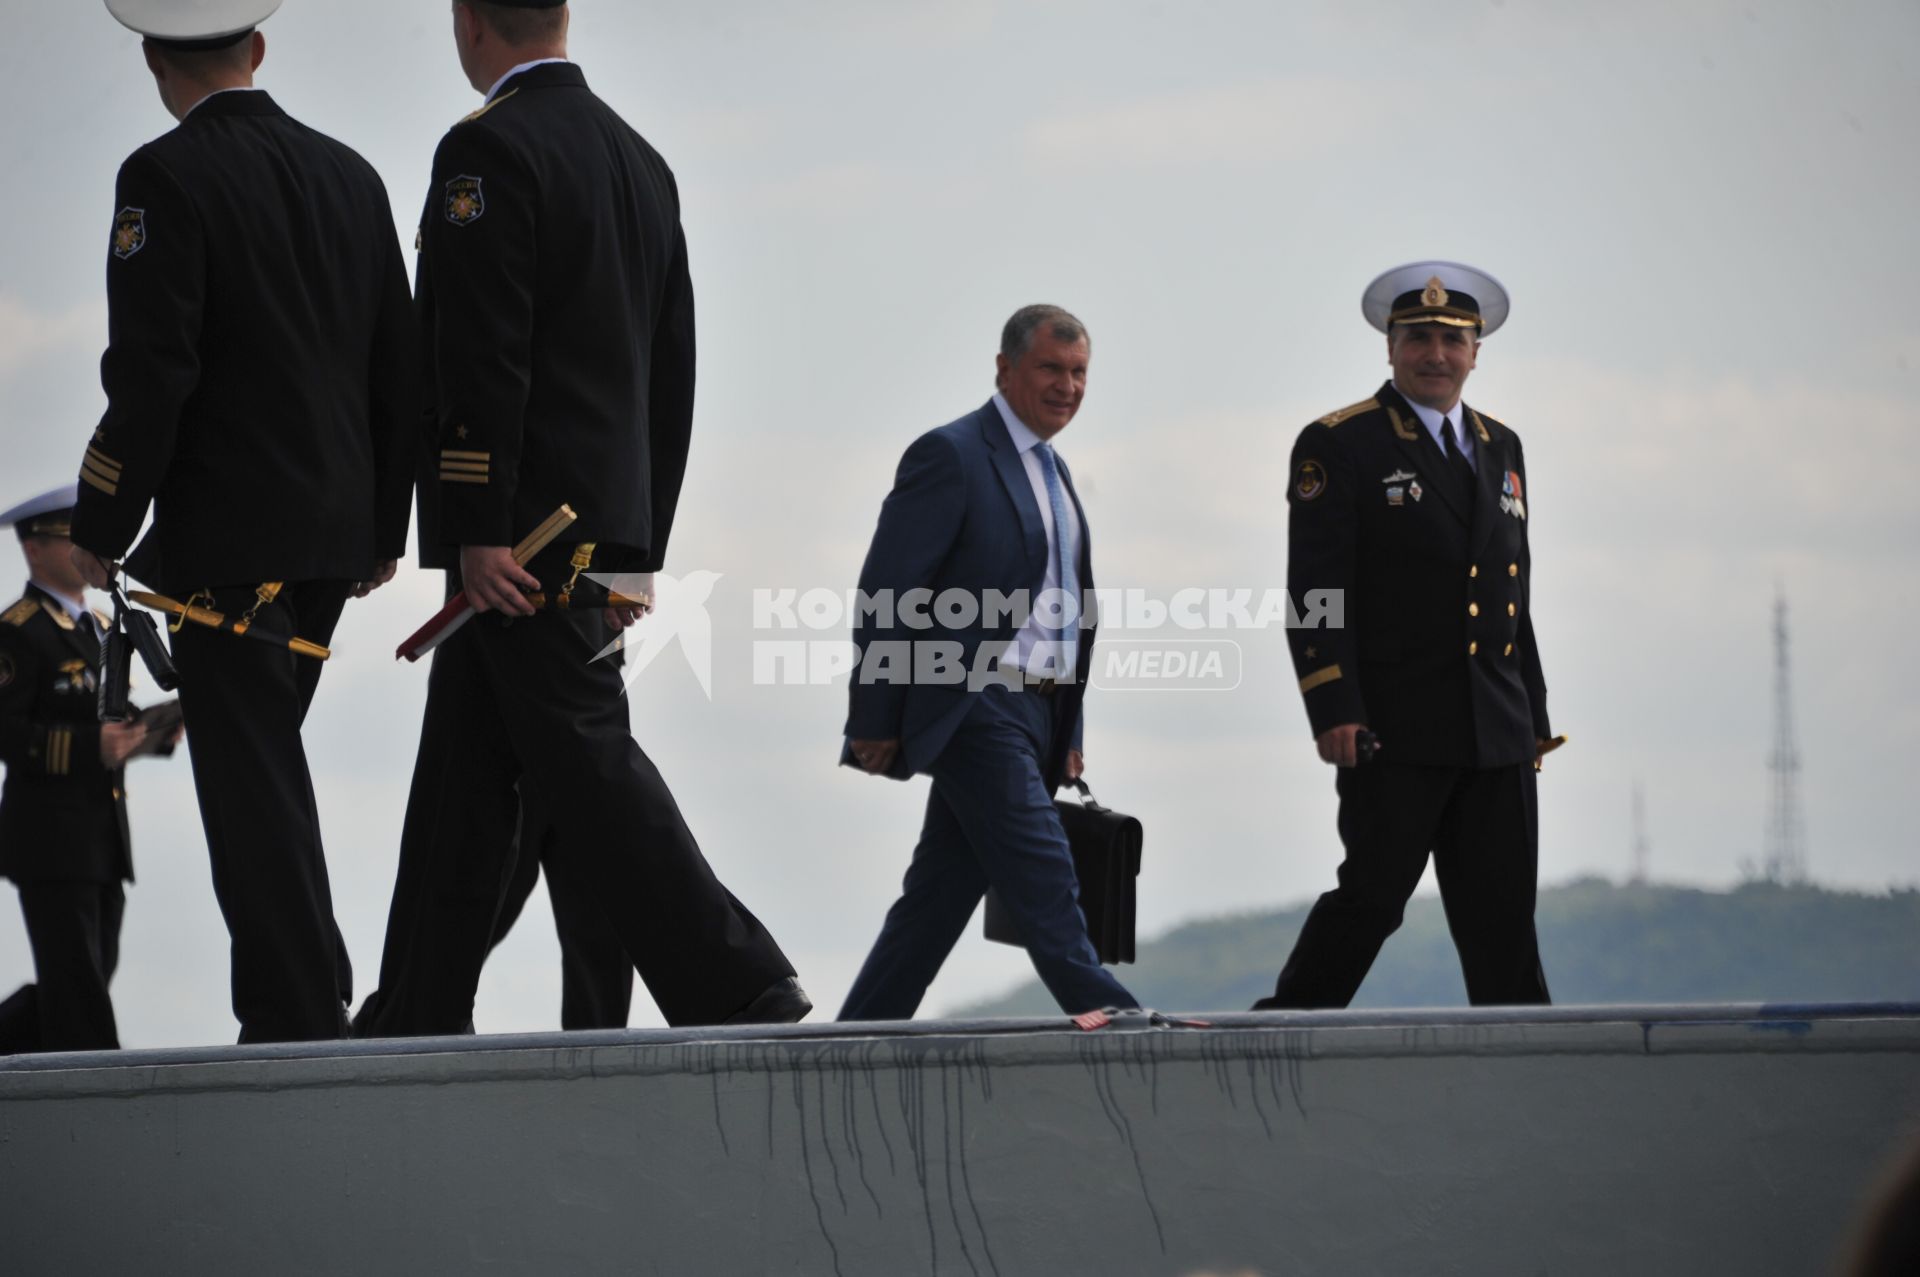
<point>1455,458</point>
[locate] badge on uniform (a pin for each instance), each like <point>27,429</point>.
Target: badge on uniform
<point>1401,485</point>
<point>1511,501</point>
<point>1312,481</point>
<point>465,203</point>
<point>129,232</point>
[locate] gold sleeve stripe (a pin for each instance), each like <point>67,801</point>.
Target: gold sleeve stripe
<point>59,751</point>
<point>465,467</point>
<point>108,465</point>
<point>449,454</point>
<point>464,478</point>
<point>87,476</point>
<point>1320,678</point>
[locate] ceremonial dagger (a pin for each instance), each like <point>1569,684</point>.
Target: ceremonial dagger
<point>459,611</point>
<point>220,621</point>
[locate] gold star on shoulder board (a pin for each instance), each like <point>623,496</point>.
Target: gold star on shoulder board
<point>1312,652</point>
<point>459,432</point>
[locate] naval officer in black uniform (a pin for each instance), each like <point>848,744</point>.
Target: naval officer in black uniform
<point>63,816</point>
<point>262,398</point>
<point>1415,505</point>
<point>558,316</point>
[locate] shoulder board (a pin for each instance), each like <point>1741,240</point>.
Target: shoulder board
<point>20,613</point>
<point>471,117</point>
<point>1339,415</point>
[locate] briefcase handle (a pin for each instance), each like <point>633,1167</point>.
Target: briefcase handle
<point>1087,799</point>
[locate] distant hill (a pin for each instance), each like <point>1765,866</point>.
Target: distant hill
<point>1600,943</point>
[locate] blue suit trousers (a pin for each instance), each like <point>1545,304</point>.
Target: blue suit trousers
<point>990,822</point>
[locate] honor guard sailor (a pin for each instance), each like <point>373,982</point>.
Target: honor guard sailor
<point>63,815</point>
<point>262,400</point>
<point>1414,504</point>
<point>557,313</point>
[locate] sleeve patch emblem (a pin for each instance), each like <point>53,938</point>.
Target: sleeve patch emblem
<point>1312,481</point>
<point>465,203</point>
<point>129,232</point>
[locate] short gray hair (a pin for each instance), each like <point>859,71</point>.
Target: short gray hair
<point>1016,339</point>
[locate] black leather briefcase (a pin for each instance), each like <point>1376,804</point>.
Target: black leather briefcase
<point>1106,856</point>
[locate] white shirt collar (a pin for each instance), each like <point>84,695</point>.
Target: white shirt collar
<point>74,611</point>
<point>1024,440</point>
<point>1432,417</point>
<point>238,88</point>
<point>524,66</point>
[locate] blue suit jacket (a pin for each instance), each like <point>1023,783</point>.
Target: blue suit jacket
<point>961,515</point>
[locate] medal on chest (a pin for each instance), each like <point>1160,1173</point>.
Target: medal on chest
<point>1511,499</point>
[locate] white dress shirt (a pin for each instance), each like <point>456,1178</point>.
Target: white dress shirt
<point>1431,419</point>
<point>524,66</point>
<point>1033,649</point>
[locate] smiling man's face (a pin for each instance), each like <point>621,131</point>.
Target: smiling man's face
<point>1045,387</point>
<point>1431,362</point>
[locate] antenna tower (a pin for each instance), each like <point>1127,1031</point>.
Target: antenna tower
<point>1642,852</point>
<point>1783,855</point>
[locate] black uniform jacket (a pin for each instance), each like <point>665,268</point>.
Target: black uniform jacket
<point>63,816</point>
<point>1437,655</point>
<point>558,316</point>
<point>260,372</point>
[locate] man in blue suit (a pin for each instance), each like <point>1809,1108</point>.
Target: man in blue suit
<point>971,662</point>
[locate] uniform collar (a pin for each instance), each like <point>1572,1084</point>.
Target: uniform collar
<point>74,611</point>
<point>242,100</point>
<point>1432,417</point>
<point>523,68</point>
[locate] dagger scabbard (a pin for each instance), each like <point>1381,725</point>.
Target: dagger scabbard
<point>195,615</point>
<point>457,611</point>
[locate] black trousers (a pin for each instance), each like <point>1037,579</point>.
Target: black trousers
<point>245,702</point>
<point>74,931</point>
<point>513,698</point>
<point>596,976</point>
<point>1482,826</point>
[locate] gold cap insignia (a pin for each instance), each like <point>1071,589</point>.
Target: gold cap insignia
<point>1436,294</point>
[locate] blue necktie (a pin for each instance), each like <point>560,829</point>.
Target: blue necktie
<point>1063,559</point>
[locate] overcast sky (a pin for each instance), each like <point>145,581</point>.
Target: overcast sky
<point>1704,213</point>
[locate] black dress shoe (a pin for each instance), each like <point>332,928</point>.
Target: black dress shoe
<point>782,1002</point>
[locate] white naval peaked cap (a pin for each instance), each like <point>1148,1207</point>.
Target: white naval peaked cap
<point>28,514</point>
<point>1436,293</point>
<point>204,23</point>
